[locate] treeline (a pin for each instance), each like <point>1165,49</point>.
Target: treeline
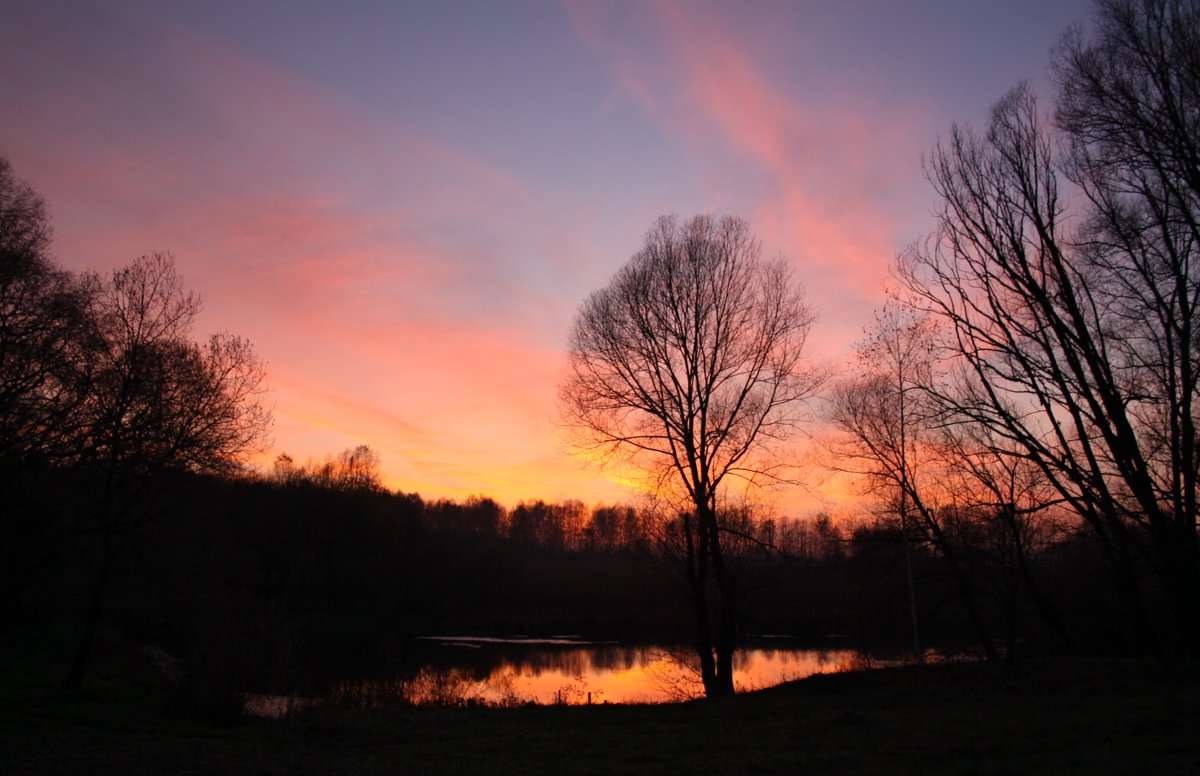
<point>567,525</point>
<point>317,562</point>
<point>317,575</point>
<point>297,582</point>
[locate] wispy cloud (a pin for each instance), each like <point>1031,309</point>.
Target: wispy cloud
<point>825,178</point>
<point>378,271</point>
<point>402,207</point>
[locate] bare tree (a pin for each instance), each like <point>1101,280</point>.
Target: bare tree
<point>352,470</point>
<point>883,418</point>
<point>1076,327</point>
<point>152,403</point>
<point>154,399</point>
<point>688,365</point>
<point>25,229</point>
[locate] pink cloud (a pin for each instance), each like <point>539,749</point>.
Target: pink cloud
<point>325,234</point>
<point>826,181</point>
<point>406,292</point>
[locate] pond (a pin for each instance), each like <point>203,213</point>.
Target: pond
<point>560,671</point>
<point>565,669</point>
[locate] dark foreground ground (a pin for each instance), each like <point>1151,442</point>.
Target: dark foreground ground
<point>1087,717</point>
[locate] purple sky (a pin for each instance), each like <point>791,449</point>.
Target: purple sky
<point>402,203</point>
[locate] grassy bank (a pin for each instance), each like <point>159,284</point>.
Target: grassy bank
<point>1077,717</point>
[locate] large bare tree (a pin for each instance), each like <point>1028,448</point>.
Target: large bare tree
<point>1074,318</point>
<point>688,365</point>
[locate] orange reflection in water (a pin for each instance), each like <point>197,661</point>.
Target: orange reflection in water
<point>650,675</point>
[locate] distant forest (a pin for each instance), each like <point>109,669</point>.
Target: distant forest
<point>318,575</point>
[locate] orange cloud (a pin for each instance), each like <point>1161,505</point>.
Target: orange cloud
<point>453,410</point>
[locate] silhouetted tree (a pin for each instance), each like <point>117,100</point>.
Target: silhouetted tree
<point>353,470</point>
<point>886,426</point>
<point>34,322</point>
<point>1074,322</point>
<point>612,527</point>
<point>284,470</point>
<point>554,526</point>
<point>688,364</point>
<point>483,516</point>
<point>40,334</point>
<point>152,403</point>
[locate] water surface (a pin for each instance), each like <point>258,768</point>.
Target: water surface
<point>456,670</point>
<point>569,670</point>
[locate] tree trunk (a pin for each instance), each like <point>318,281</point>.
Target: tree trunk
<point>726,634</point>
<point>1182,576</point>
<point>83,653</point>
<point>723,684</point>
<point>704,641</point>
<point>905,535</point>
<point>696,547</point>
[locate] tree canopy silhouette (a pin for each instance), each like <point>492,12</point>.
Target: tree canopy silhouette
<point>101,377</point>
<point>688,364</point>
<point>40,329</point>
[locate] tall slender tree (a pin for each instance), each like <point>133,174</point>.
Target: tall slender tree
<point>883,416</point>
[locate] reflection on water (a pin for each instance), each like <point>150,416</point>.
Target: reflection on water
<point>648,674</point>
<point>564,669</point>
<point>463,670</point>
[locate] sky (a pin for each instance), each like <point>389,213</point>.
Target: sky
<point>402,204</point>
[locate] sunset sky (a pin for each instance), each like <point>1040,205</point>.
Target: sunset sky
<point>402,204</point>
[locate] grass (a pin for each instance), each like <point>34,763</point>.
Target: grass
<point>1078,717</point>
